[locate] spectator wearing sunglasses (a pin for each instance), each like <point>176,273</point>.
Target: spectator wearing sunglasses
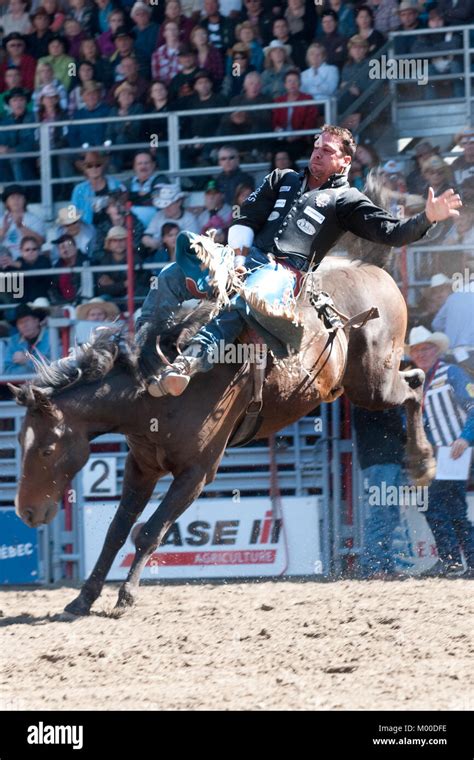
<point>32,259</point>
<point>231,175</point>
<point>96,184</point>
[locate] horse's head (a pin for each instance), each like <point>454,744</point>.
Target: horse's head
<point>52,453</point>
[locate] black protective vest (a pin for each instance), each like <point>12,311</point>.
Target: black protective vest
<point>303,224</point>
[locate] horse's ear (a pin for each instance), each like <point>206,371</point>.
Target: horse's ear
<point>37,400</point>
<point>15,391</point>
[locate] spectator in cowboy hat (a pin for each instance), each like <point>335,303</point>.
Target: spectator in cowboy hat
<point>18,140</point>
<point>93,314</point>
<point>124,40</point>
<point>437,174</point>
<point>37,42</point>
<point>169,201</point>
<point>449,422</point>
<point>277,64</point>
<point>96,187</point>
<point>145,30</point>
<point>14,46</point>
<point>69,222</point>
<point>114,284</point>
<point>16,221</point>
<point>97,310</point>
<point>409,12</point>
<point>239,68</point>
<point>31,337</point>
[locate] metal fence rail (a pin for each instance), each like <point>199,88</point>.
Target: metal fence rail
<point>174,144</point>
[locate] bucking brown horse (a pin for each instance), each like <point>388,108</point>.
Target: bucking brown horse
<point>74,400</point>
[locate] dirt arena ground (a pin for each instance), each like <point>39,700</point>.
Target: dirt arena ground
<point>270,645</point>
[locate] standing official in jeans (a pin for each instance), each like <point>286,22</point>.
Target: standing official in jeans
<point>380,440</point>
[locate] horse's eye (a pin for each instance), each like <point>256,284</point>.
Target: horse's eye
<point>47,452</point>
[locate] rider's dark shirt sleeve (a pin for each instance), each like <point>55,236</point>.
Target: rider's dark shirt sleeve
<point>356,213</point>
<point>255,211</point>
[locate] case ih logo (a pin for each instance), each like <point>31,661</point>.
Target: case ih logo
<point>223,533</point>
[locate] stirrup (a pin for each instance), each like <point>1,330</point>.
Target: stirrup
<point>169,382</point>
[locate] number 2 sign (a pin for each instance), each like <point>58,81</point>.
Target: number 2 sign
<point>99,477</point>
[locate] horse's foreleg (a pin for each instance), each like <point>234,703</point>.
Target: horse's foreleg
<point>137,490</point>
<point>185,488</point>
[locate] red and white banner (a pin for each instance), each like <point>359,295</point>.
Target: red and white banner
<point>218,538</point>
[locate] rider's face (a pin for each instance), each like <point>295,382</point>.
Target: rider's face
<point>327,157</point>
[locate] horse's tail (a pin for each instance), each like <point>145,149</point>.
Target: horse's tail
<point>364,250</point>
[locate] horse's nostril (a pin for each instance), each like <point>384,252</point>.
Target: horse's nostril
<point>28,516</point>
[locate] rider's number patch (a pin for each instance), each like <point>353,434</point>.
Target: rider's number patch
<point>314,214</point>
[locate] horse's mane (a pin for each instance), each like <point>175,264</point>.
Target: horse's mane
<point>109,349</point>
<point>364,250</point>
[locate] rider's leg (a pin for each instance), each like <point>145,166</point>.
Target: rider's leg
<point>167,293</point>
<point>222,330</point>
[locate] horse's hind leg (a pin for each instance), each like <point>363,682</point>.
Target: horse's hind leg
<point>420,460</point>
<point>137,490</point>
<point>185,488</point>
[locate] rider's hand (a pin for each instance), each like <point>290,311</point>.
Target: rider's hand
<point>240,270</point>
<point>443,207</point>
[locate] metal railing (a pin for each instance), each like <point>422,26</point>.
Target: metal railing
<point>465,52</point>
<point>174,143</point>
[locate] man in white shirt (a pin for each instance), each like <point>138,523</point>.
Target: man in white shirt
<point>320,79</point>
<point>169,201</point>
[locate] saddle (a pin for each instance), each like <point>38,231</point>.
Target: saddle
<point>332,319</point>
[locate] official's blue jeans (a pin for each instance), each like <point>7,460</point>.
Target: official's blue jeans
<point>447,518</point>
<point>380,520</point>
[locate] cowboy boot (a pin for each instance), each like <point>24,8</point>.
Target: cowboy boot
<point>174,380</point>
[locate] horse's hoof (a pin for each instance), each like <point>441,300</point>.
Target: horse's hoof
<point>78,607</point>
<point>125,599</point>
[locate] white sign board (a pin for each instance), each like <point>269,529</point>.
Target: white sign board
<point>217,538</point>
<point>99,477</point>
